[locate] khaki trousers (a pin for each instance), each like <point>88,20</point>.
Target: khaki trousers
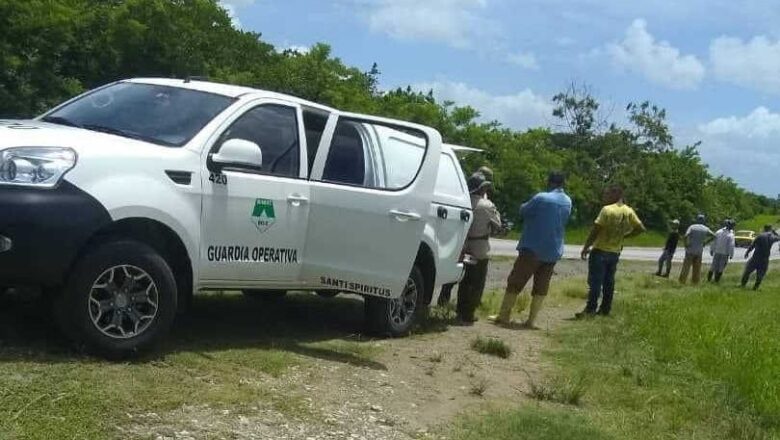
<point>526,266</point>
<point>692,263</point>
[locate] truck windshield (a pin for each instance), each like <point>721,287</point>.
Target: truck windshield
<point>168,116</point>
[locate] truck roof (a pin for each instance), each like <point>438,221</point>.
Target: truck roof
<point>229,90</point>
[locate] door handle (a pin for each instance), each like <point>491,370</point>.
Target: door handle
<point>442,213</point>
<point>465,215</point>
<point>405,215</point>
<point>297,200</point>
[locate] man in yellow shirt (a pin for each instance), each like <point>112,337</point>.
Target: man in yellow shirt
<point>616,222</point>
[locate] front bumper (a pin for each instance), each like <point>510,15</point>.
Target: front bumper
<point>42,231</point>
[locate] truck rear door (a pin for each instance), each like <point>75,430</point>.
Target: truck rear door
<point>452,209</point>
<point>371,188</point>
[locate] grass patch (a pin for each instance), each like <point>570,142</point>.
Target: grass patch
<point>757,223</point>
<point>576,292</point>
<point>478,387</point>
<point>569,391</point>
<point>492,347</point>
<point>529,422</point>
<point>651,238</point>
<point>222,354</point>
<point>578,235</point>
<point>678,362</point>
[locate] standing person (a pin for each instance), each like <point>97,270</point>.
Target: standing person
<point>670,247</point>
<point>616,222</point>
<point>696,237</point>
<point>759,262</point>
<point>541,246</point>
<point>486,222</point>
<point>446,290</point>
<point>721,250</point>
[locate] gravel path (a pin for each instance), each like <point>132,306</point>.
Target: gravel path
<point>414,388</point>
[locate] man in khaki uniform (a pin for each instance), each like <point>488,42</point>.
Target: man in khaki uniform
<point>486,222</point>
<point>446,290</point>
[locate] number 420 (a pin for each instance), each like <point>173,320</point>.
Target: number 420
<point>218,179</point>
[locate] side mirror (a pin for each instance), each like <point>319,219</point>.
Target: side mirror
<point>238,152</point>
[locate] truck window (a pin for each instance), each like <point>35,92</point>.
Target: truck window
<point>314,125</point>
<point>448,182</point>
<point>346,161</point>
<point>274,128</point>
<point>374,155</point>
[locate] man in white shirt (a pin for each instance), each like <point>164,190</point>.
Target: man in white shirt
<point>722,250</point>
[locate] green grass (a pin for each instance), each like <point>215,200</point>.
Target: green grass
<point>680,362</point>
<point>672,362</point>
<point>757,223</point>
<point>529,422</point>
<point>650,238</point>
<point>491,346</point>
<point>578,235</point>
<point>221,355</point>
<point>561,389</point>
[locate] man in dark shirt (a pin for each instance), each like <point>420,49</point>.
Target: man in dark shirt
<point>669,249</point>
<point>759,262</point>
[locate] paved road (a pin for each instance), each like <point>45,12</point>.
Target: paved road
<point>507,247</point>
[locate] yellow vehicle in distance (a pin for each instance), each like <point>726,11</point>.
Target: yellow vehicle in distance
<point>744,238</point>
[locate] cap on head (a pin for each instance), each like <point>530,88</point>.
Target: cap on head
<point>701,218</point>
<point>477,182</point>
<point>487,172</point>
<point>676,222</point>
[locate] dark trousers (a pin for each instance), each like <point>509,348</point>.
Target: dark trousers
<point>471,288</point>
<point>601,280</point>
<point>665,262</point>
<point>760,267</point>
<point>445,294</point>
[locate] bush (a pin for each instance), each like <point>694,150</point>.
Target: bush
<point>491,346</point>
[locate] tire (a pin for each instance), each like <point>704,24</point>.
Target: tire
<point>120,300</point>
<point>259,294</point>
<point>327,293</point>
<point>384,317</point>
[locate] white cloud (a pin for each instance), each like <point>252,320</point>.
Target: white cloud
<point>520,111</point>
<point>303,50</point>
<point>658,61</point>
<point>232,7</point>
<point>744,148</point>
<point>526,60</point>
<point>754,64</point>
<point>760,123</point>
<point>457,23</point>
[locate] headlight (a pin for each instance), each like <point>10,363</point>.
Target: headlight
<point>41,167</point>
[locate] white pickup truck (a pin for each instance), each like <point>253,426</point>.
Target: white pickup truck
<point>126,200</point>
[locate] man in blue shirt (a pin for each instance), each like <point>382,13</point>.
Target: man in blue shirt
<point>541,246</point>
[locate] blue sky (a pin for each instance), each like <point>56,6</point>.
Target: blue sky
<point>713,64</point>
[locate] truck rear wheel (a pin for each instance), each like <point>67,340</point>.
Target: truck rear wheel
<point>395,317</point>
<point>119,300</point>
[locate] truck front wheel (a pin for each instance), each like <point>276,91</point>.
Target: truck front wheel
<point>395,317</point>
<point>119,300</point>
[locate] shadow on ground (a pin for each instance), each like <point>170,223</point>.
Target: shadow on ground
<point>216,322</point>
<point>220,322</point>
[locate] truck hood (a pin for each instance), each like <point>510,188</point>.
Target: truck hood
<point>34,133</point>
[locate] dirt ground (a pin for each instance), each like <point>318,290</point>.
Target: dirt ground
<point>413,388</point>
<point>345,385</point>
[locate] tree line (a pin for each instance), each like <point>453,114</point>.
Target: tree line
<point>51,50</point>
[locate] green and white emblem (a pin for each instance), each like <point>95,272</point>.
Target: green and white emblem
<point>263,215</point>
